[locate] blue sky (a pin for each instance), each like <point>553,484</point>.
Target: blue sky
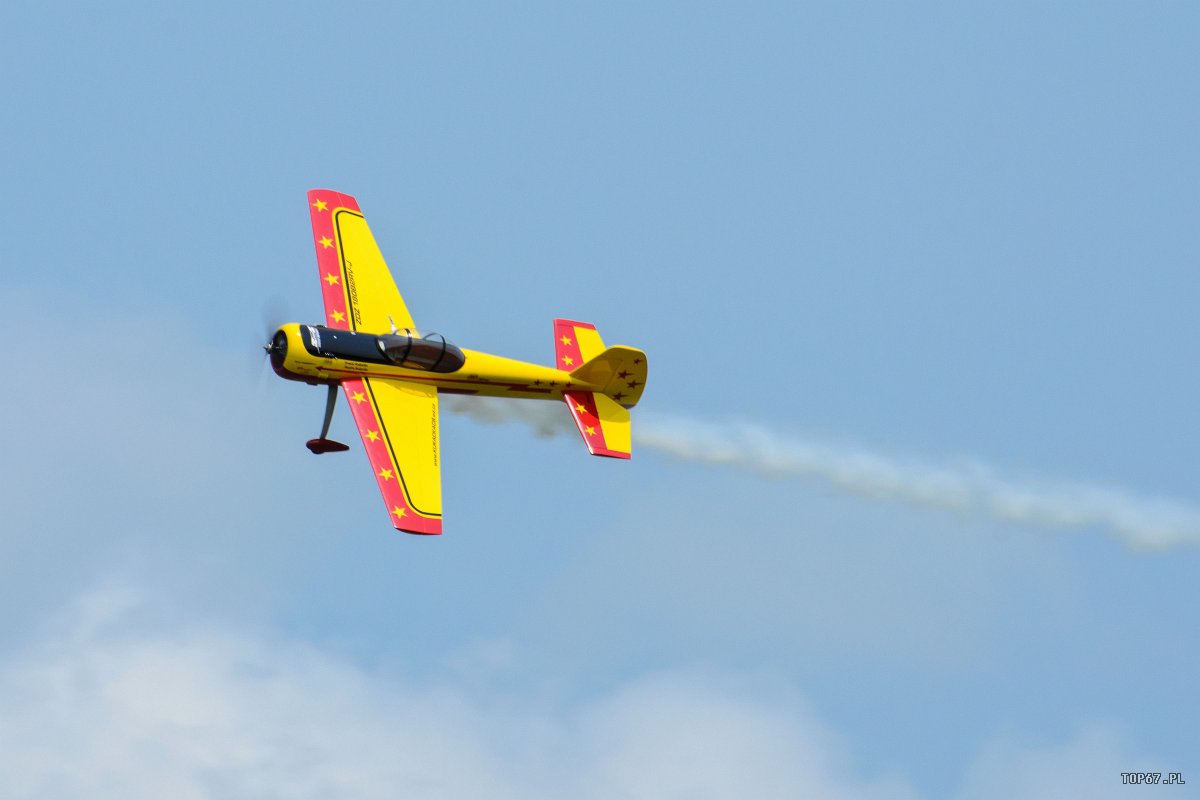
<point>955,237</point>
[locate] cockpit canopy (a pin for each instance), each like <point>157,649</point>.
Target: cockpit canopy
<point>406,348</point>
<point>431,351</point>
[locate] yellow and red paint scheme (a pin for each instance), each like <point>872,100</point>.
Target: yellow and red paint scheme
<point>607,386</point>
<point>481,374</point>
<point>395,405</point>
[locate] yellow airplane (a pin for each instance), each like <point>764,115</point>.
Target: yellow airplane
<point>392,374</point>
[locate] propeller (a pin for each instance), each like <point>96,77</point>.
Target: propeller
<point>274,313</point>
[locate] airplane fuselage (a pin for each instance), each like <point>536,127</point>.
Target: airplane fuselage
<point>294,357</point>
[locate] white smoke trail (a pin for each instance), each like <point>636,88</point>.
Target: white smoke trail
<point>1141,522</point>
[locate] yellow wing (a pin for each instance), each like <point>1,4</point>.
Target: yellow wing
<point>398,421</point>
<point>356,285</point>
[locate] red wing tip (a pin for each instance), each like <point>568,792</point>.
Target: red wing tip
<point>332,196</point>
<point>426,527</point>
<point>600,451</point>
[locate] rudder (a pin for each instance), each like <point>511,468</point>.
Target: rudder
<point>602,422</point>
<point>575,343</point>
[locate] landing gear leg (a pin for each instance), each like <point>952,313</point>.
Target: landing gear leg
<point>323,445</point>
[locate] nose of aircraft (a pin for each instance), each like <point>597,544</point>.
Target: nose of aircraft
<point>277,348</point>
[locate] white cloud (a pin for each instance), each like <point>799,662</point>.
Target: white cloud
<point>103,706</point>
<point>686,735</point>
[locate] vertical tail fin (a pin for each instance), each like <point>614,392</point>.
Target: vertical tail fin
<point>575,343</point>
<point>602,422</point>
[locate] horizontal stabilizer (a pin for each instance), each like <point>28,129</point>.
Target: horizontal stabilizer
<point>619,372</point>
